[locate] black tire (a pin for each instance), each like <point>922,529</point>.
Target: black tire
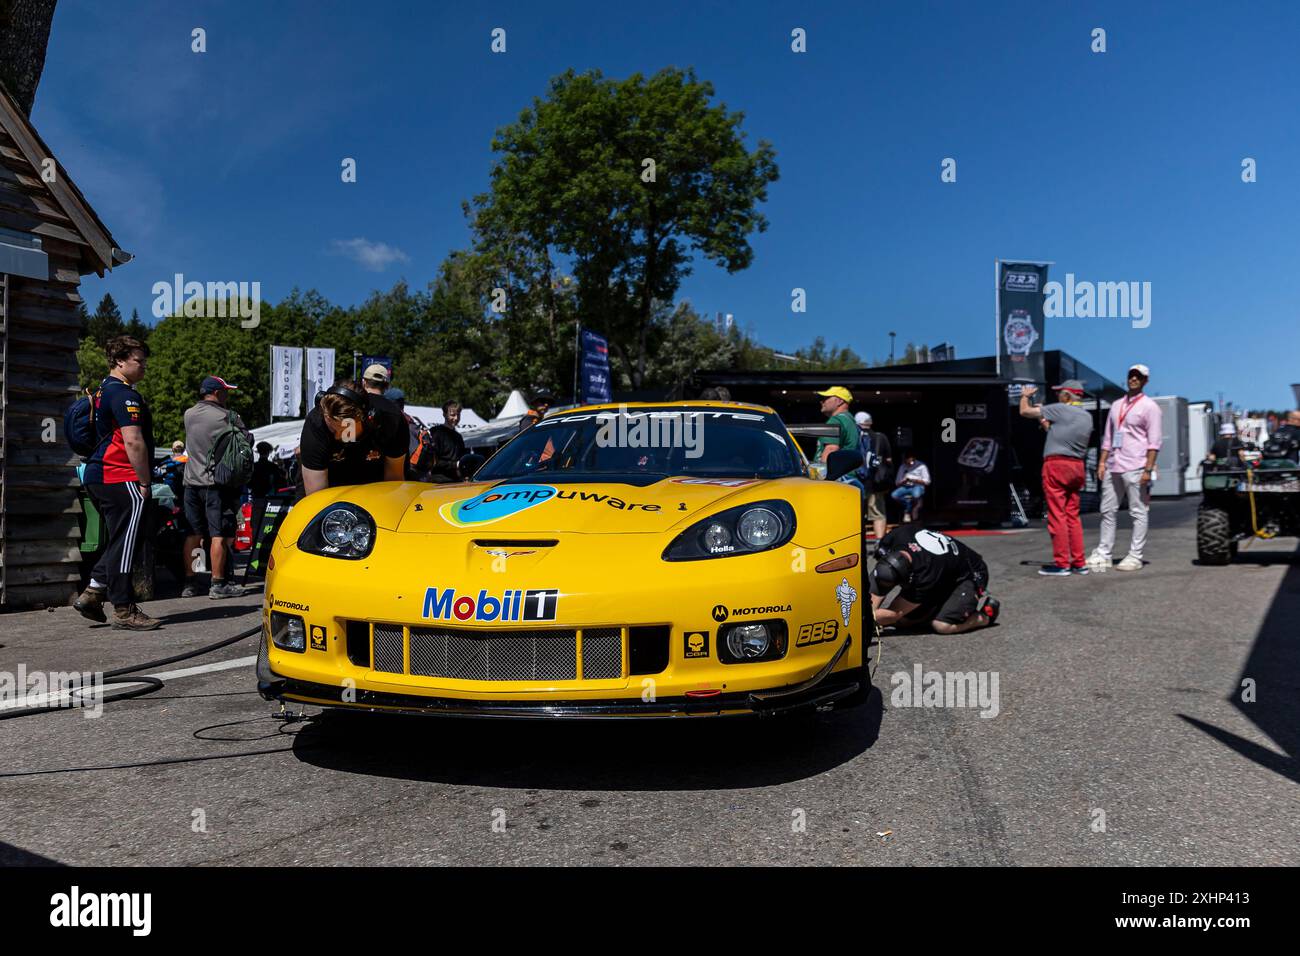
<point>1214,542</point>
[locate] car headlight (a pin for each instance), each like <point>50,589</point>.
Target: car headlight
<point>744,529</point>
<point>342,530</point>
<point>752,642</point>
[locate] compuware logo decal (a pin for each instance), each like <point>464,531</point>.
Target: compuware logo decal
<point>495,504</point>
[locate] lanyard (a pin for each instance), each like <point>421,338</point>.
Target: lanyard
<point>1123,412</point>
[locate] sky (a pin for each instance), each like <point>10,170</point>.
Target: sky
<point>1116,166</point>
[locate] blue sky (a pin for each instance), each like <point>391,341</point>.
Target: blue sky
<point>1117,166</point>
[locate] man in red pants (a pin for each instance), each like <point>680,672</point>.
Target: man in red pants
<point>1069,428</point>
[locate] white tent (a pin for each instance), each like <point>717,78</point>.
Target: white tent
<point>516,407</point>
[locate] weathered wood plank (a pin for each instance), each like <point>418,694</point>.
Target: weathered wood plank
<point>20,575</point>
<point>39,479</point>
<point>51,528</point>
<point>40,595</point>
<point>18,553</point>
<point>52,501</point>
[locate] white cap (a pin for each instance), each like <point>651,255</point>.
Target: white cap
<point>1146,372</point>
<point>862,418</point>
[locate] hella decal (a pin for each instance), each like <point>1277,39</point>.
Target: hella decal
<point>514,604</point>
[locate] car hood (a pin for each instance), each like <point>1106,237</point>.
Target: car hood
<point>501,509</point>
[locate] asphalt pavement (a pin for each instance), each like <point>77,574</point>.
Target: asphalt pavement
<point>1118,735</point>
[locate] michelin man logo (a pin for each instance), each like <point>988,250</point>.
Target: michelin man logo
<point>846,595</point>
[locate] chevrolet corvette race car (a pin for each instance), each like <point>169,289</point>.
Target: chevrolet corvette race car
<point>649,560</point>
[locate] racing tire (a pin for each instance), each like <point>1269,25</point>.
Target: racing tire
<point>1214,543</point>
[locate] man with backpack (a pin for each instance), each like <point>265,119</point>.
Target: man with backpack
<point>221,463</point>
<point>877,464</point>
<point>113,430</point>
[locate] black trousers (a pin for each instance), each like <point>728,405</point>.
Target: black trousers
<point>123,507</point>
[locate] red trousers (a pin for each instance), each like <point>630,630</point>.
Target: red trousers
<point>1062,482</point>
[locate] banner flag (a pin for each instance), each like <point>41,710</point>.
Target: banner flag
<point>286,381</point>
<point>320,372</point>
<point>594,387</point>
<point>1021,290</point>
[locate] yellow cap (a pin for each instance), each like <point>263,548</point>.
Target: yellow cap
<point>838,391</point>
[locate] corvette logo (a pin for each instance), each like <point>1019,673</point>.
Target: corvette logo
<point>495,504</point>
<point>513,605</point>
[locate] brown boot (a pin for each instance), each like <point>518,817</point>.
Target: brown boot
<point>131,618</point>
<point>90,604</point>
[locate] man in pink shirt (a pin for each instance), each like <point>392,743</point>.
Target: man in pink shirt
<point>1125,469</point>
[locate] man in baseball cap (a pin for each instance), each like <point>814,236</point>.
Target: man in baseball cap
<point>877,463</point>
<point>835,406</point>
<point>375,379</point>
<point>1069,430</point>
<point>215,385</point>
<point>210,508</point>
<point>1126,468</point>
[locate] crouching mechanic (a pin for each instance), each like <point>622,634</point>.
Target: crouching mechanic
<point>352,437</point>
<point>942,582</point>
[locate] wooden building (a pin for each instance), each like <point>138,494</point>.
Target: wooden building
<point>49,239</point>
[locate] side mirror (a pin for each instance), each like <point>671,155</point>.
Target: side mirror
<point>469,464</point>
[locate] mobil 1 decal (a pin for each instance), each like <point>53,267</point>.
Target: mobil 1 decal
<point>486,607</point>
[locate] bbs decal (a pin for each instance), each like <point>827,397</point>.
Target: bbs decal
<point>818,633</point>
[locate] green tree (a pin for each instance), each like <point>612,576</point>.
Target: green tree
<point>136,327</point>
<point>106,322</point>
<point>626,180</point>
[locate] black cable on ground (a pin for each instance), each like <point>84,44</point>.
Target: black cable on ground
<point>118,676</point>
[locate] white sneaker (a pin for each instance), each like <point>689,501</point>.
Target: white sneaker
<point>1098,561</point>
<point>1129,563</point>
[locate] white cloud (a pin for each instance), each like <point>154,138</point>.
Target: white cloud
<point>375,256</point>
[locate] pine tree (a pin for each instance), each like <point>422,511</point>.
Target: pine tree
<point>106,322</point>
<point>136,328</point>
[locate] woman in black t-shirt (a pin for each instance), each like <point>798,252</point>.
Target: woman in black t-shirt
<point>351,438</point>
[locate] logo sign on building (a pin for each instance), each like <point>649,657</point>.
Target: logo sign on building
<point>593,384</point>
<point>1020,319</point>
<point>320,372</point>
<point>972,411</point>
<point>286,381</point>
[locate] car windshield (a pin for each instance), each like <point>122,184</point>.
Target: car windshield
<point>636,444</point>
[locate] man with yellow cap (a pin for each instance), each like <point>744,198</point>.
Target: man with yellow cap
<point>835,406</point>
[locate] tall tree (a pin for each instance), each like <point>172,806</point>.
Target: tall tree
<point>106,322</point>
<point>627,180</point>
<point>24,35</point>
<point>136,327</point>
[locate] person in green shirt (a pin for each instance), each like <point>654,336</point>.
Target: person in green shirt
<point>835,405</point>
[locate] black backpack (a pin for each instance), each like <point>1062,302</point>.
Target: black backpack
<point>80,427</point>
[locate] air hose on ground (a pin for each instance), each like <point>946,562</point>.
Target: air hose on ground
<point>118,676</point>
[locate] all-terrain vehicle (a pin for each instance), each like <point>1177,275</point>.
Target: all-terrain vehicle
<point>1255,500</point>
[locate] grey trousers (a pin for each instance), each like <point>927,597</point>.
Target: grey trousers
<point>1115,488</point>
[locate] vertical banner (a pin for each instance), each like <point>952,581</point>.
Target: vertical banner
<point>593,388</point>
<point>1021,289</point>
<point>286,381</point>
<point>320,372</point>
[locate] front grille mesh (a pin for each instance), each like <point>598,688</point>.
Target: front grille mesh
<point>526,655</point>
<point>388,649</point>
<point>498,655</point>
<point>602,653</point>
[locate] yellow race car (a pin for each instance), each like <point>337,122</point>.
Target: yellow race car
<point>648,560</point>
